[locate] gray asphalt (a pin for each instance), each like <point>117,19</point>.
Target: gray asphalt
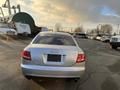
<point>102,69</point>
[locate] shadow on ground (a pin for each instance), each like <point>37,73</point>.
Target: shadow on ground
<point>56,84</point>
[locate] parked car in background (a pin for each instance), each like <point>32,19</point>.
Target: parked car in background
<point>93,37</point>
<point>105,38</point>
<point>53,54</point>
<point>6,30</point>
<point>44,29</point>
<point>115,41</point>
<point>80,35</point>
<point>15,28</point>
<point>98,37</point>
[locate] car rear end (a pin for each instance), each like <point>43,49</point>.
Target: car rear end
<point>53,59</point>
<point>106,38</point>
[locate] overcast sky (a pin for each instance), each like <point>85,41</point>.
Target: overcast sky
<point>71,12</point>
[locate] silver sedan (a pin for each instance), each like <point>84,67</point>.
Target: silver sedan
<point>53,54</point>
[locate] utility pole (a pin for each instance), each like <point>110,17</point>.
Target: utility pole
<point>118,32</point>
<point>2,12</point>
<point>18,7</point>
<point>7,5</point>
<point>98,29</point>
<point>14,8</point>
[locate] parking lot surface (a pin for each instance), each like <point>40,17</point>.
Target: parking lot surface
<point>102,68</point>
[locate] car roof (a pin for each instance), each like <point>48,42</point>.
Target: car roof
<point>59,33</point>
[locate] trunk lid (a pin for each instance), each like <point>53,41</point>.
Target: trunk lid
<point>53,55</point>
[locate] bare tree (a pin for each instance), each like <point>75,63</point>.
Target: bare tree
<point>106,29</point>
<point>58,27</point>
<point>93,31</point>
<point>79,29</point>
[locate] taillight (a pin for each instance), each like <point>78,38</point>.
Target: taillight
<point>26,55</point>
<point>80,58</point>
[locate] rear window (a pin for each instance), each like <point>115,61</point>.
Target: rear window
<point>54,39</point>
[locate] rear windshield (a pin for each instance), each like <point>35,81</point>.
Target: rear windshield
<point>54,40</point>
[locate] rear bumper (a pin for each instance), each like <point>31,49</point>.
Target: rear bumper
<point>56,72</point>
